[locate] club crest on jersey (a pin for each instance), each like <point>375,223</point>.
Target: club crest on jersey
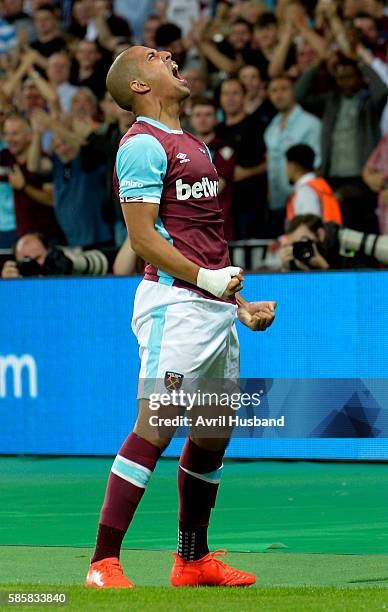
<point>173,381</point>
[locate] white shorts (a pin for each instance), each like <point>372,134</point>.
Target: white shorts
<point>180,332</point>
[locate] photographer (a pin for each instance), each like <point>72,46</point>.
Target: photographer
<point>303,244</point>
<point>310,244</point>
<point>34,256</point>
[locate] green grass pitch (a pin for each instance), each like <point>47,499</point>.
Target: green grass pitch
<point>328,523</point>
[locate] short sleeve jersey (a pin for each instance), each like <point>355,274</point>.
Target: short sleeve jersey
<point>173,170</point>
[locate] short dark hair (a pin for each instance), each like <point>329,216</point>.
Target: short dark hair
<point>235,79</point>
<point>166,34</point>
<point>313,222</point>
<point>346,61</point>
<point>303,155</point>
<point>203,101</point>
<point>242,21</point>
<point>282,77</point>
<point>266,19</point>
<point>47,7</point>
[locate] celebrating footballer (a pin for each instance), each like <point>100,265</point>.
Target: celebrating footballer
<point>184,313</point>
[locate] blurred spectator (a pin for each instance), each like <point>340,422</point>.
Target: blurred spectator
<point>8,37</point>
<point>296,29</point>
<point>7,208</point>
<point>78,177</point>
<point>36,256</point>
<point>90,71</point>
<point>351,127</point>
<point>227,56</point>
<point>203,122</point>
<point>375,175</point>
<point>292,125</point>
<point>95,20</point>
<point>33,194</point>
<point>245,136</point>
<point>151,24</point>
<point>266,41</point>
<point>104,144</point>
<point>369,35</point>
<point>312,194</point>
<point>337,52</point>
<point>381,68</point>
<point>58,73</point>
<point>135,13</point>
<point>12,11</point>
<point>49,37</point>
<point>182,13</point>
<point>256,101</point>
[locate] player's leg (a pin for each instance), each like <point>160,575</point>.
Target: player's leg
<point>199,474</point>
<point>128,479</point>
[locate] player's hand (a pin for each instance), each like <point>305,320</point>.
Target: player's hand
<point>235,285</point>
<point>222,283</point>
<point>258,316</point>
<point>10,270</point>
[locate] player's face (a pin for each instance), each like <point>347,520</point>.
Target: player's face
<point>281,94</point>
<point>203,119</point>
<point>161,74</point>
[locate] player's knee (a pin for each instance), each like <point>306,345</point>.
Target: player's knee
<point>159,441</point>
<point>213,444</point>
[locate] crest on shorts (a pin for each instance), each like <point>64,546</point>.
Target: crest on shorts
<point>173,381</point>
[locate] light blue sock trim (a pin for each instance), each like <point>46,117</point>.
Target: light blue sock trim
<point>212,477</point>
<point>131,471</point>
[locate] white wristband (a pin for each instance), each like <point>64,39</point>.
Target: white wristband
<point>216,281</point>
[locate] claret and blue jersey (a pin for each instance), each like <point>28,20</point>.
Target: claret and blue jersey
<point>173,169</point>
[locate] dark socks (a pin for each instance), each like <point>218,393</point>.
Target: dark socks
<point>199,475</point>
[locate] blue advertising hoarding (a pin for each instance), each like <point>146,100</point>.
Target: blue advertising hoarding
<point>69,365</point>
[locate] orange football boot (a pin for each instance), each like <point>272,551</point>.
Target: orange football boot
<point>107,574</point>
<point>208,571</point>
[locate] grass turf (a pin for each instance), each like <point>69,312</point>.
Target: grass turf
<point>68,566</point>
<point>285,581</point>
<point>307,507</point>
<point>277,599</point>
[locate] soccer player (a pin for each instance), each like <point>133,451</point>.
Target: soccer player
<point>184,312</point>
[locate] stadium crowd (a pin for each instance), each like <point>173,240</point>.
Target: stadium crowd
<point>289,96</point>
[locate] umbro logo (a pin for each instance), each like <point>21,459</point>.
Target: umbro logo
<point>183,158</point>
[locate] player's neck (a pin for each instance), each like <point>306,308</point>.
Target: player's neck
<point>168,115</point>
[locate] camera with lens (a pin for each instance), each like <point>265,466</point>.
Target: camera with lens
<point>55,264</point>
<point>303,250</point>
<point>29,267</point>
<point>59,263</point>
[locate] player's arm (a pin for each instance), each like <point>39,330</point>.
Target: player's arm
<point>152,247</point>
<point>141,167</point>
